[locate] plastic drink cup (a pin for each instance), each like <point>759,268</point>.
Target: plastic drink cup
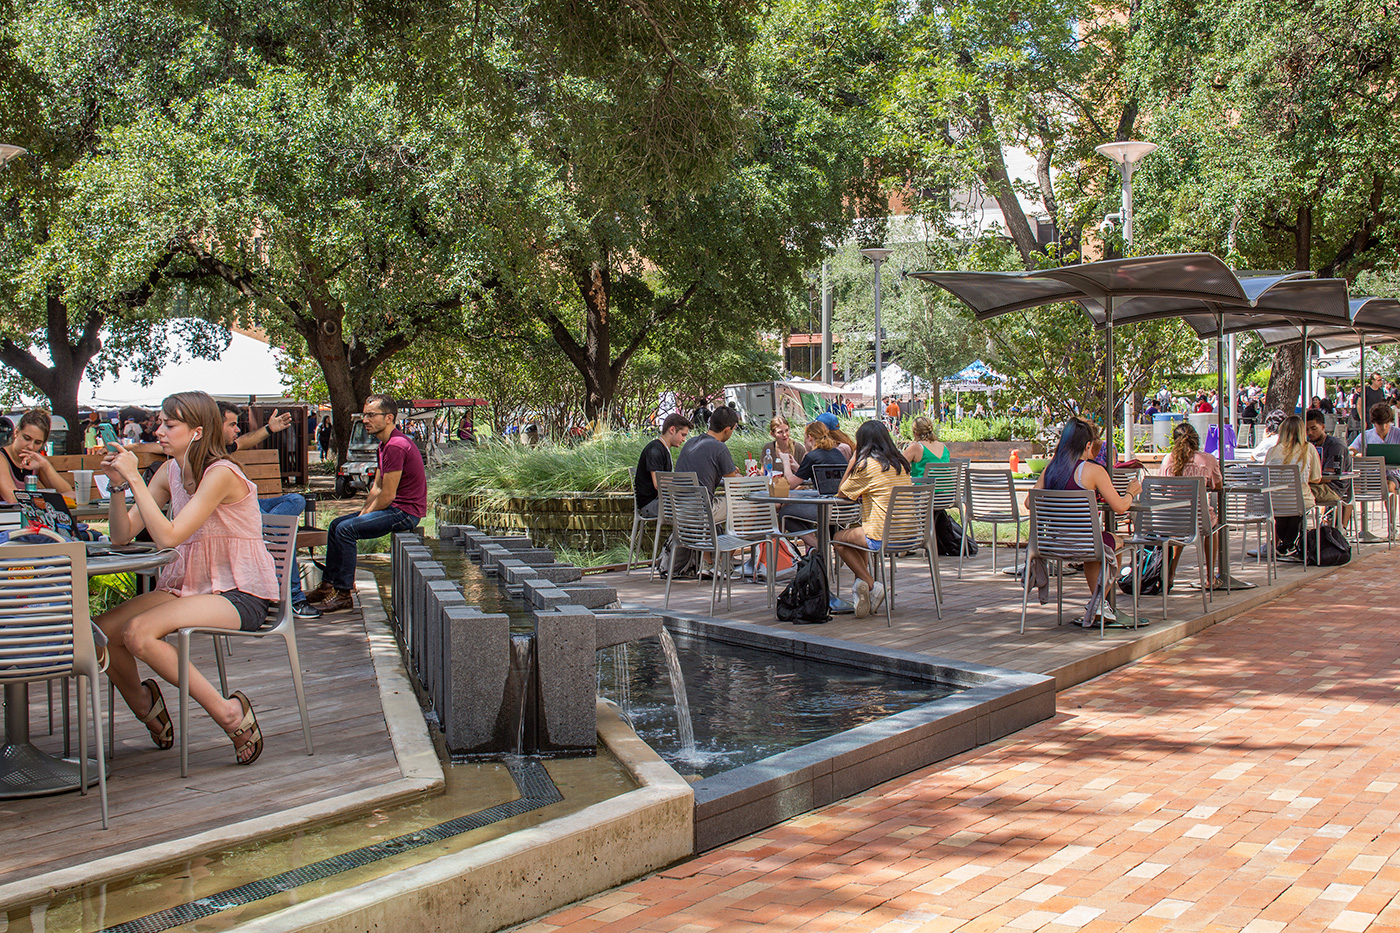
<point>82,487</point>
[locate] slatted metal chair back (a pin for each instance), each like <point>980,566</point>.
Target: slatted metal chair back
<point>1243,508</point>
<point>947,480</point>
<point>1288,502</point>
<point>909,519</point>
<point>1370,482</point>
<point>992,496</point>
<point>1122,479</point>
<point>1065,525</point>
<point>692,517</point>
<point>745,517</point>
<point>666,479</point>
<point>1183,524</point>
<point>41,587</point>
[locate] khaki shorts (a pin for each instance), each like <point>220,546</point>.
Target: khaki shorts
<point>1324,493</point>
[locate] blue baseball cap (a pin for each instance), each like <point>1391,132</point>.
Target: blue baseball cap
<point>828,419</point>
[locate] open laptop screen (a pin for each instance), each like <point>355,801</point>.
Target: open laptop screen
<point>46,508</point>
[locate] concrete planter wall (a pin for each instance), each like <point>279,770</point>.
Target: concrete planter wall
<point>592,520</point>
<point>994,451</point>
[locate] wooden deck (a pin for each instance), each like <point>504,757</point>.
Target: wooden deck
<point>151,805</point>
<point>982,613</point>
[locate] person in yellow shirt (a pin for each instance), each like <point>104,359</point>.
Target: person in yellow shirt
<point>871,477</point>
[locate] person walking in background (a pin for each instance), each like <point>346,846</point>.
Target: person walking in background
<point>323,437</point>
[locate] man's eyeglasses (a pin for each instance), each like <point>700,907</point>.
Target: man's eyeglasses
<point>372,414</point>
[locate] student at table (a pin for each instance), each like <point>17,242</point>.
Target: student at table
<point>1381,431</point>
<point>224,576</point>
<point>1186,458</point>
<point>24,457</point>
<point>1293,447</point>
<point>1073,467</point>
<point>873,474</point>
<point>782,443</point>
<point>926,448</point>
<point>821,451</point>
<point>1331,453</point>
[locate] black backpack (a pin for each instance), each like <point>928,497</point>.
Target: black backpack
<point>804,601</point>
<point>949,535</point>
<point>1150,580</point>
<point>1328,547</point>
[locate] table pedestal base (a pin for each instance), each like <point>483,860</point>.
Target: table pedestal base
<point>1228,583</point>
<point>27,772</point>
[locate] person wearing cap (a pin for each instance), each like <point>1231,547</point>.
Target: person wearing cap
<point>843,442</point>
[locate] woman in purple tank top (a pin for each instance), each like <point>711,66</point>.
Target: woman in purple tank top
<point>1073,467</point>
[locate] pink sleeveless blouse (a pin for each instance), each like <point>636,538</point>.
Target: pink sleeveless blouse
<point>226,552</point>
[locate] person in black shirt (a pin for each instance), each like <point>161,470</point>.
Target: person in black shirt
<point>1373,395</point>
<point>656,458</point>
<point>1331,452</point>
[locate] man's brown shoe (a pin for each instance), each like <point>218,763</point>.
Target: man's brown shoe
<point>343,599</point>
<point>323,592</point>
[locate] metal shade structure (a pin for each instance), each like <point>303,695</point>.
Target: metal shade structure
<point>1185,283</point>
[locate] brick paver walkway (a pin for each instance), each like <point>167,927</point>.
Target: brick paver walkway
<point>1243,779</point>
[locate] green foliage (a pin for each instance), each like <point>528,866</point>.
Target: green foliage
<point>109,591</point>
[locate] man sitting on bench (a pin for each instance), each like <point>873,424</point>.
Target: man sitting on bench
<point>289,503</point>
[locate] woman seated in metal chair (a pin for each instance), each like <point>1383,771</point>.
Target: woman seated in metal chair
<point>821,451</point>
<point>24,457</point>
<point>223,577</point>
<point>871,477</point>
<point>1073,467</point>
<point>1186,458</point>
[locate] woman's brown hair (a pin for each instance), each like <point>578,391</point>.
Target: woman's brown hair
<point>198,410</point>
<point>841,437</point>
<point>924,429</point>
<point>1291,441</point>
<point>818,436</point>
<point>1185,443</point>
<point>778,420</point>
<point>36,417</point>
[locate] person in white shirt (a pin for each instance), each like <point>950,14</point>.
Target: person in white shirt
<point>1381,431</point>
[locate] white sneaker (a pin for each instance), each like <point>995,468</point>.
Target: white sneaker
<point>877,597</point>
<point>860,595</point>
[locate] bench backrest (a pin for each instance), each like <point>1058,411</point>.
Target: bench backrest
<point>262,466</point>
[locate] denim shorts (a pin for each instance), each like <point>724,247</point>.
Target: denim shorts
<point>252,610</point>
<point>872,543</point>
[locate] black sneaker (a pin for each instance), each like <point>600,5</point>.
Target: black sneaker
<point>304,610</point>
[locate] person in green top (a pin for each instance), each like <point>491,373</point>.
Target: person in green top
<point>926,448</point>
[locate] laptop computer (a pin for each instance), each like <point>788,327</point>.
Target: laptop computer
<point>46,508</point>
<point>1391,453</point>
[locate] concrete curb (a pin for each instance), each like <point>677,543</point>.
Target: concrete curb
<point>421,776</point>
<point>526,873</point>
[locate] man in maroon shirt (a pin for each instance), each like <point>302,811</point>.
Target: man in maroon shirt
<point>397,501</point>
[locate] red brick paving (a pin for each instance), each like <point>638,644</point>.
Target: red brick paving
<point>1241,780</point>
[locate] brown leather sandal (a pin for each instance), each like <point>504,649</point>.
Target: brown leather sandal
<point>247,738</point>
<point>157,719</point>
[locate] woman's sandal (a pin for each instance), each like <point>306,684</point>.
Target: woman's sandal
<point>157,719</point>
<point>248,731</point>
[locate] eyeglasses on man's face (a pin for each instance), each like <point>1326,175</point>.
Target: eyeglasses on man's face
<point>373,413</point>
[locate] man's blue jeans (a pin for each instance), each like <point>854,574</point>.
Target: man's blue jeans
<point>289,504</point>
<point>346,530</point>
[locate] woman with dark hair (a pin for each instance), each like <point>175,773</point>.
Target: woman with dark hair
<point>1073,467</point>
<point>24,456</point>
<point>871,477</point>
<point>223,577</point>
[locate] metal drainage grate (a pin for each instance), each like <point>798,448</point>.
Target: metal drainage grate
<point>536,788</point>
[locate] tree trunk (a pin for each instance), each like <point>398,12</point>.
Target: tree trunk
<point>348,370</point>
<point>998,182</point>
<point>1285,379</point>
<point>59,383</point>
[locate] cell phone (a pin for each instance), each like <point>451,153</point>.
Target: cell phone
<point>115,446</point>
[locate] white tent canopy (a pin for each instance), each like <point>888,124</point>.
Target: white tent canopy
<point>894,380</point>
<point>246,367</point>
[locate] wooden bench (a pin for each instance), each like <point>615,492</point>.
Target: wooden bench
<point>261,466</point>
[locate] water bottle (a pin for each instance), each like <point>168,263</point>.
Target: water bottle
<point>31,482</point>
<point>768,461</point>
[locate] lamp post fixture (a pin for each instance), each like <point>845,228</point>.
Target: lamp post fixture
<point>8,152</point>
<point>1126,154</point>
<point>877,255</point>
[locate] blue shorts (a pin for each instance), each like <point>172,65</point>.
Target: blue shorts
<point>872,543</point>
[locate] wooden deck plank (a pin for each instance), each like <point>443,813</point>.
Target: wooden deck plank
<point>149,801</point>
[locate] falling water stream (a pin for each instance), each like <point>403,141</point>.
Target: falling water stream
<point>686,725</point>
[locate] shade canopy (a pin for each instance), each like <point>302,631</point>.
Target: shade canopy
<point>1372,320</point>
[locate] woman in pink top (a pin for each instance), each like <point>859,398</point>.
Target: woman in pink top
<point>224,576</point>
<point>1187,459</point>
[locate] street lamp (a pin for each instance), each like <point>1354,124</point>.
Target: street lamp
<point>877,255</point>
<point>1126,155</point>
<point>8,152</point>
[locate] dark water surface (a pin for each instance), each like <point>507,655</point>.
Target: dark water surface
<point>748,704</point>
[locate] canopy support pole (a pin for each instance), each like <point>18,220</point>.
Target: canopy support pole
<point>1110,458</point>
<point>1220,386</point>
<point>1364,415</point>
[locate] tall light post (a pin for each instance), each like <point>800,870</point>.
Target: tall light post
<point>8,152</point>
<point>1126,154</point>
<point>877,255</point>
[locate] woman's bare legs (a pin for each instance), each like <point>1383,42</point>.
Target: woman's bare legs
<point>858,561</point>
<point>137,629</point>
